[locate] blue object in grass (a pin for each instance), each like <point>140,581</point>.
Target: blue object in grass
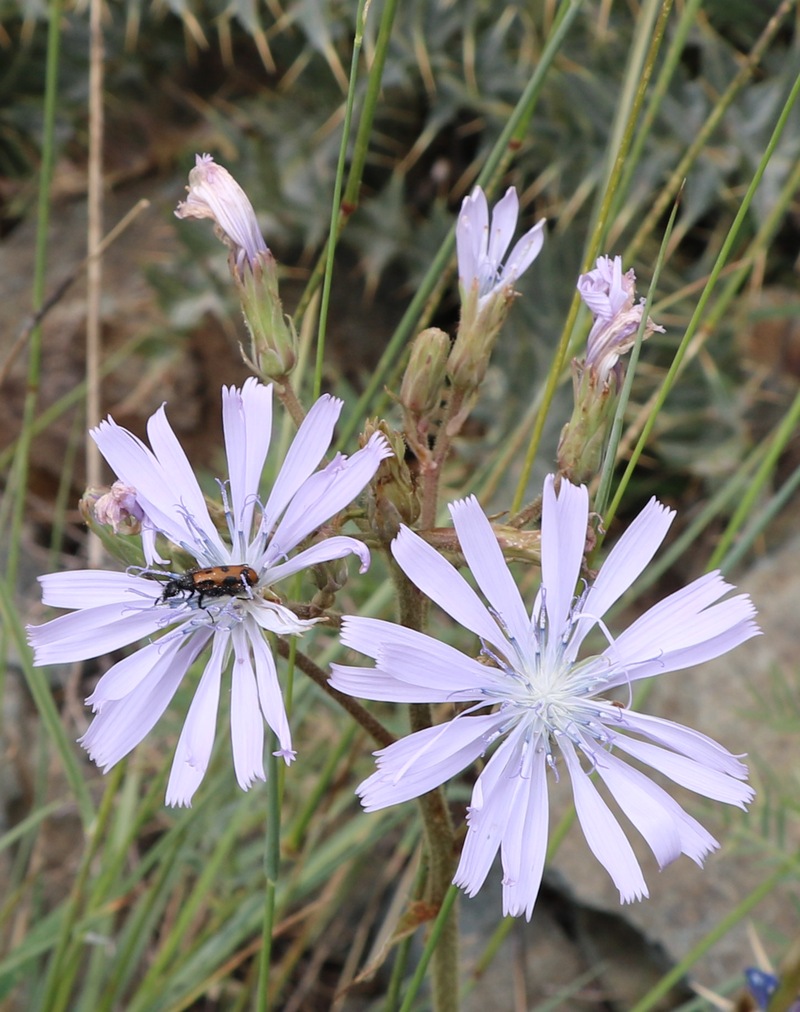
<point>762,987</point>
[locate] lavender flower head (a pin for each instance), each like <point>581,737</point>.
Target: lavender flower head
<point>482,244</point>
<point>541,707</point>
<point>215,194</point>
<point>487,286</point>
<point>609,295</point>
<point>112,609</point>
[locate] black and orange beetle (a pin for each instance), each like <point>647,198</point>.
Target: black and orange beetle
<point>215,581</point>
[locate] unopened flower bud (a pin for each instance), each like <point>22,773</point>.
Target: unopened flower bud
<point>421,390</point>
<point>392,498</point>
<point>583,439</point>
<point>274,342</point>
<point>329,577</point>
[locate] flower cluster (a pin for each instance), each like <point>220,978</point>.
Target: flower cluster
<point>535,700</point>
<point>114,609</point>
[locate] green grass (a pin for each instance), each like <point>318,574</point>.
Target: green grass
<point>602,121</point>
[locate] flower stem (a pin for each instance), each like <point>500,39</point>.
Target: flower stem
<point>432,468</point>
<point>336,204</point>
<point>443,921</point>
<point>650,32</point>
<point>439,838</point>
<point>271,869</point>
<point>287,397</point>
<point>495,163</point>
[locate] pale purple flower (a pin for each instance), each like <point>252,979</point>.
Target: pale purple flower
<point>609,295</point>
<point>606,290</point>
<point>112,609</point>
<point>481,245</point>
<point>118,509</point>
<point>541,706</point>
<point>215,194</point>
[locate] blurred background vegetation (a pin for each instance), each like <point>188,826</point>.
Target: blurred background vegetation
<point>264,88</point>
<point>162,910</point>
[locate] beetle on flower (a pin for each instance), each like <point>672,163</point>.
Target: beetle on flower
<point>112,609</point>
<point>541,707</point>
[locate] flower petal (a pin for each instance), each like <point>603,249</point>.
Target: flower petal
<point>484,558</point>
<point>308,448</point>
<point>625,562</point>
<point>87,588</point>
<point>525,251</point>
<point>166,487</point>
<point>181,495</point>
<point>425,759</point>
<point>442,673</point>
<point>667,828</point>
<point>247,427</point>
<point>504,223</point>
<point>564,520</point>
<point>373,683</point>
<point>509,809</point>
<point>324,494</point>
<point>193,751</point>
<point>425,567</point>
<point>269,692</point>
<point>472,230</point>
<point>123,677</point>
<point>603,833</point>
<point>413,667</point>
<point>92,632</point>
<point>247,724</point>
<point>494,798</point>
<point>693,775</point>
<point>121,724</point>
<point>276,618</point>
<point>685,740</point>
<point>602,289</point>
<point>683,629</point>
<point>525,841</point>
<point>425,661</point>
<point>324,551</point>
<point>135,464</point>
